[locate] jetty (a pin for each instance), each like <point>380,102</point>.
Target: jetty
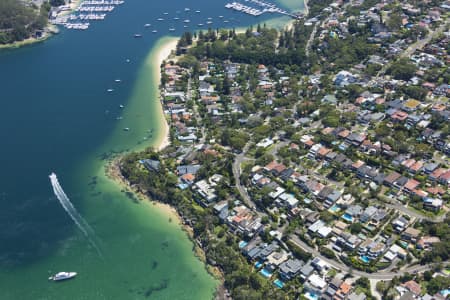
<point>89,10</point>
<point>258,7</point>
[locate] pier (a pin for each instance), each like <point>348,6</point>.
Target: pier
<point>89,10</point>
<point>259,7</point>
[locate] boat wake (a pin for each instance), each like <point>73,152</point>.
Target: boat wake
<point>73,213</point>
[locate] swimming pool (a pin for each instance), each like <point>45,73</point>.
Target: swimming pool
<point>242,244</point>
<point>311,296</point>
<point>364,259</point>
<point>265,273</point>
<point>347,217</point>
<point>279,283</point>
<point>334,208</point>
<point>404,244</point>
<point>258,264</point>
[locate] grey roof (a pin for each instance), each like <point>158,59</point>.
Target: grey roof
<point>354,210</point>
<point>291,266</point>
<point>151,164</point>
<point>370,211</point>
<point>254,252</point>
<point>307,269</point>
<point>268,250</point>
<point>181,170</point>
<point>334,196</point>
<point>401,181</point>
<point>330,291</point>
<point>354,296</point>
<point>336,282</point>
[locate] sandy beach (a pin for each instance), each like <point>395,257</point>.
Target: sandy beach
<point>168,45</point>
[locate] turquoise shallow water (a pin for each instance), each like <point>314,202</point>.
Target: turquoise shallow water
<point>56,115</point>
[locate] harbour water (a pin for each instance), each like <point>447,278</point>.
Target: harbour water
<point>57,116</point>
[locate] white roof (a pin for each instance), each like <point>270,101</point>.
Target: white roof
<point>316,281</point>
<point>324,231</point>
<point>390,255</point>
<point>278,191</point>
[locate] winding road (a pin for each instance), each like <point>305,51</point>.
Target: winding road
<point>339,266</point>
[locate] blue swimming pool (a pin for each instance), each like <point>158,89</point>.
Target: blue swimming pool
<point>258,264</point>
<point>242,244</point>
<point>334,208</point>
<point>279,283</point>
<point>404,244</point>
<point>311,296</point>
<point>364,259</point>
<point>347,217</point>
<point>265,273</point>
<point>445,292</point>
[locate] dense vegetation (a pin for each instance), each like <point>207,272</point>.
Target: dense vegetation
<point>440,251</point>
<point>19,21</point>
<point>262,46</point>
<point>220,246</point>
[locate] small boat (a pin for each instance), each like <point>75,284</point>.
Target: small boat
<point>187,9</point>
<point>209,22</point>
<point>121,106</point>
<point>176,18</point>
<point>200,24</point>
<point>62,276</point>
<point>137,35</point>
<point>117,80</point>
<point>221,17</point>
<point>226,21</point>
<point>209,18</point>
<point>186,21</point>
<point>197,11</point>
<point>166,13</point>
<point>127,60</point>
<point>126,129</point>
<point>160,19</point>
<point>155,31</point>
<point>110,90</point>
<point>147,25</point>
<point>185,26</point>
<point>172,29</point>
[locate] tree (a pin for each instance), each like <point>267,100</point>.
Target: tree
<point>19,21</point>
<point>402,69</point>
<point>355,228</point>
<point>363,282</point>
<point>382,287</point>
<point>437,284</point>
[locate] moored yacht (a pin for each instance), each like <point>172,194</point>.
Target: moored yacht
<point>62,275</point>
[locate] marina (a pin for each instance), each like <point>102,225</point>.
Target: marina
<point>89,10</point>
<point>260,8</point>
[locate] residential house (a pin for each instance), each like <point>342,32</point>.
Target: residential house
<point>290,268</point>
<point>410,234</point>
